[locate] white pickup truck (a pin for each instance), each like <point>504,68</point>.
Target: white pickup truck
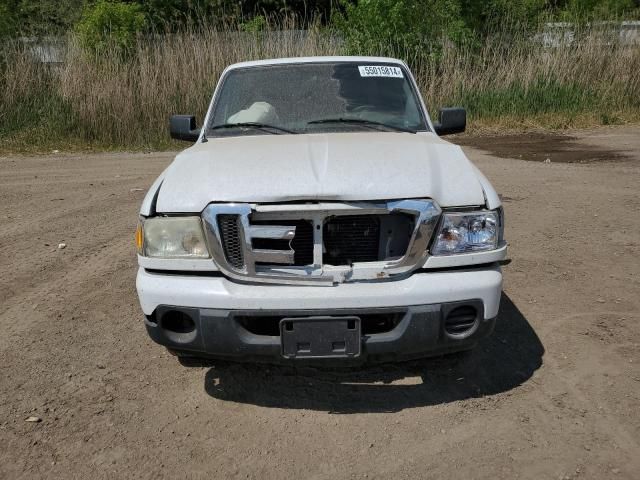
<point>319,217</point>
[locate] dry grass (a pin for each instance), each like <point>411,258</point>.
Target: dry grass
<point>129,102</point>
<point>110,103</point>
<point>593,81</point>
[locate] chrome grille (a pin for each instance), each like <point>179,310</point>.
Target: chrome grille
<point>229,226</point>
<point>320,243</point>
<point>302,243</point>
<point>350,239</point>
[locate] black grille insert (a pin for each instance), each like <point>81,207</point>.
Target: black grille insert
<point>352,238</point>
<point>230,235</point>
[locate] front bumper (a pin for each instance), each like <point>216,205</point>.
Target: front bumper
<point>420,288</point>
<point>218,308</point>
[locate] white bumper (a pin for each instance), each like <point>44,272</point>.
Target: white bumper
<point>419,289</point>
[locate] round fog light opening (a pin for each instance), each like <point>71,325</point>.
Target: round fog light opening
<point>461,322</point>
<point>178,326</point>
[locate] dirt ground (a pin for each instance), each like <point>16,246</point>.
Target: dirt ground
<point>554,393</point>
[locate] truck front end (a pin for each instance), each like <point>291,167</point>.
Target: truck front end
<point>336,238</point>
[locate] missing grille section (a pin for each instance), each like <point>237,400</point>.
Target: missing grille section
<point>302,243</point>
<point>350,239</point>
<point>366,238</point>
<point>370,323</point>
<point>231,242</point>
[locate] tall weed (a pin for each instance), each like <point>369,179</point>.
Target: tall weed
<point>107,101</point>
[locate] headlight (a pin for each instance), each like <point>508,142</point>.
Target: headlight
<point>172,237</point>
<point>468,232</point>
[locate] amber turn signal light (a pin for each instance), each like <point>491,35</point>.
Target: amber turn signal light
<point>139,238</point>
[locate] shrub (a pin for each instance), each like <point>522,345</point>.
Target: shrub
<point>255,25</point>
<point>415,27</point>
<point>599,9</point>
<point>6,21</point>
<point>110,25</point>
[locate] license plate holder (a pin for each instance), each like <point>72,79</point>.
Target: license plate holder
<point>320,337</point>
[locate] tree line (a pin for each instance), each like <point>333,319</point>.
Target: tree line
<point>462,17</point>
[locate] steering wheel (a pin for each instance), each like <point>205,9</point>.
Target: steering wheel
<point>363,108</point>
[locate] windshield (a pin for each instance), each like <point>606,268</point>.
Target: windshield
<point>315,97</point>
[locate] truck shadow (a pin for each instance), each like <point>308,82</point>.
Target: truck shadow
<point>500,363</point>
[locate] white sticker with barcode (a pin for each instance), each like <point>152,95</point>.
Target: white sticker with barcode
<point>380,71</point>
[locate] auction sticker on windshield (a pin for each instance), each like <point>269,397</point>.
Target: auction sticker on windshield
<point>380,71</point>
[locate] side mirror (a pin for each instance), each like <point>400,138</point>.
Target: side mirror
<point>183,127</point>
<point>451,120</point>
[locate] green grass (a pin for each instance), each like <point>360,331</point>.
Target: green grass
<point>540,97</point>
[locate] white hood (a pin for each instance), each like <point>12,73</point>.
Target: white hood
<point>336,166</point>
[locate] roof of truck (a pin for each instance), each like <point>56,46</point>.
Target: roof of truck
<point>281,61</point>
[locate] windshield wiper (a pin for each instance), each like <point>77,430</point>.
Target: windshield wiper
<point>259,126</point>
<point>360,121</point>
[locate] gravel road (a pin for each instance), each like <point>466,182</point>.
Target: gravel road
<point>554,393</point>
